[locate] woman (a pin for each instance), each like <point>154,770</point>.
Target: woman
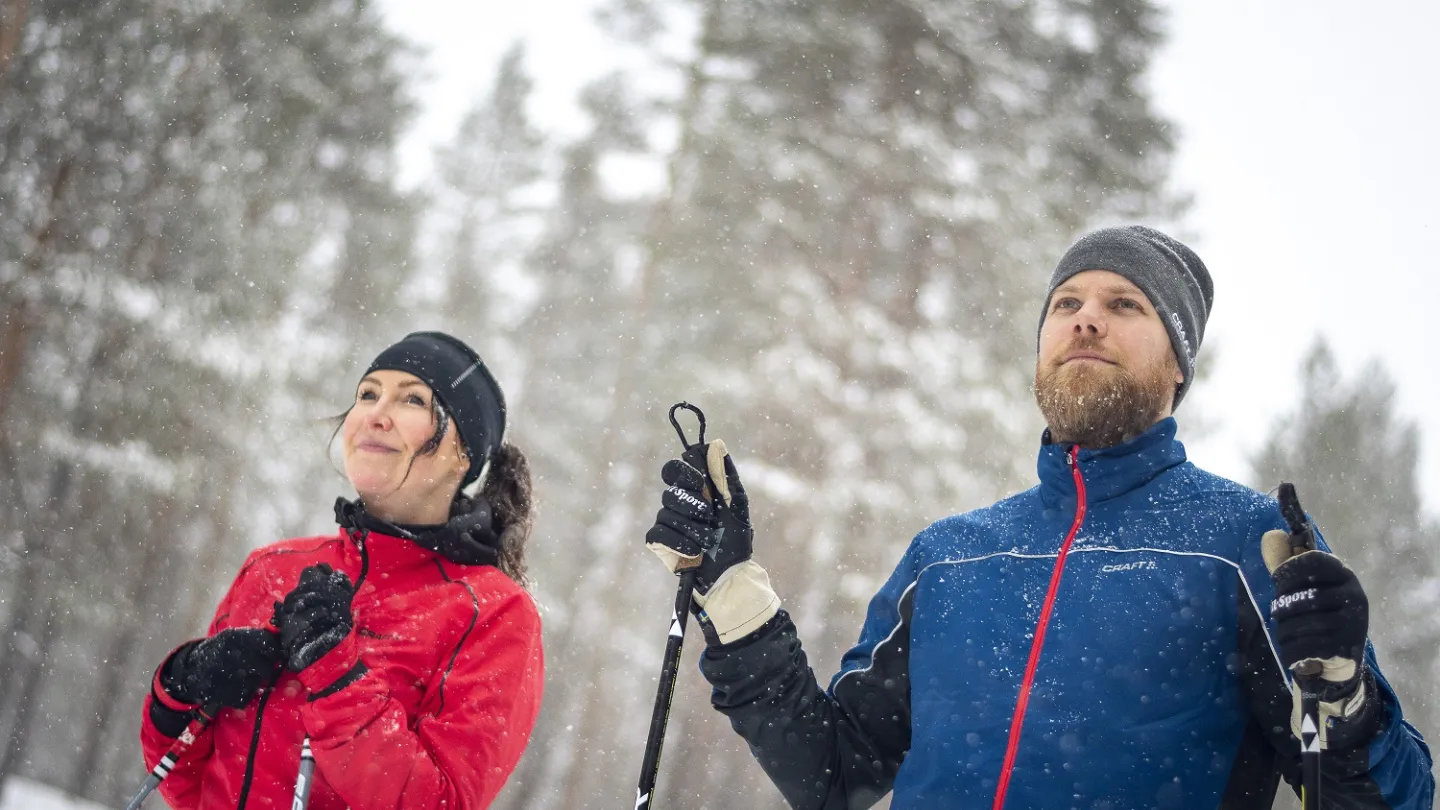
<point>404,646</point>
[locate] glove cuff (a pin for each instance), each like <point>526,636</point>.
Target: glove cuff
<point>670,557</point>
<point>739,602</point>
<point>335,664</point>
<point>170,677</point>
<point>1349,720</point>
<point>169,713</point>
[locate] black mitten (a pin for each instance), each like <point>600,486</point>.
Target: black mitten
<point>1320,613</point>
<point>226,669</point>
<point>315,616</point>
<point>1321,618</point>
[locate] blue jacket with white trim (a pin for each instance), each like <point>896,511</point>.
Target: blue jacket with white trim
<point>1157,684</point>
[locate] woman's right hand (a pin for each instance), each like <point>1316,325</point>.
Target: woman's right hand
<point>227,669</point>
<point>315,616</point>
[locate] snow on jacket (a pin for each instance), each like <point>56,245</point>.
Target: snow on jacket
<point>450,687</point>
<point>1158,685</point>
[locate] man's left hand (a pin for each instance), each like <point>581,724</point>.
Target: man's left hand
<point>1321,620</point>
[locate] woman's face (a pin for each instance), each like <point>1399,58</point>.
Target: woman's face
<point>392,420</point>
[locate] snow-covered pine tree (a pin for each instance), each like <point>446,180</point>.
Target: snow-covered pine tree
<point>486,205</point>
<point>586,430</point>
<point>484,215</point>
<point>834,240</point>
<point>198,219</point>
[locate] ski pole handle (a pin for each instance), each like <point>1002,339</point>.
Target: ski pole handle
<point>1302,539</point>
<point>1302,531</point>
<point>172,757</point>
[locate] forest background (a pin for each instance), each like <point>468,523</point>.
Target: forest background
<point>829,226</point>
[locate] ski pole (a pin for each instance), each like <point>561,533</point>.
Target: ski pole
<point>1302,539</point>
<point>167,763</point>
<point>665,693</point>
<point>303,780</point>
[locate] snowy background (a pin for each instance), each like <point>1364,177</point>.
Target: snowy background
<point>1306,136</point>
<point>23,794</point>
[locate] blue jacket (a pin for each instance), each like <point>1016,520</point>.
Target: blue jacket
<point>1157,684</point>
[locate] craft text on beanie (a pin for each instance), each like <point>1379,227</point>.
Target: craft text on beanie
<point>1168,272</point>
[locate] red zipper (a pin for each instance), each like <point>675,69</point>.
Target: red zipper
<point>1018,720</point>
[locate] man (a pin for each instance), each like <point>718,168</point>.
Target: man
<point>1112,638</point>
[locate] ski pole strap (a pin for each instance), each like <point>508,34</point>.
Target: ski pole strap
<point>699,414</point>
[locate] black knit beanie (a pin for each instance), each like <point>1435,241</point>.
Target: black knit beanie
<point>1168,272</point>
<point>462,384</point>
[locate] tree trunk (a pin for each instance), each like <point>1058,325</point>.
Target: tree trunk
<point>12,22</point>
<point>20,314</point>
<point>12,346</point>
<point>114,676</point>
<point>26,661</point>
<point>29,693</point>
<point>16,648</point>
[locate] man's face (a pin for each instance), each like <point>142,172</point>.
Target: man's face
<point>1105,372</point>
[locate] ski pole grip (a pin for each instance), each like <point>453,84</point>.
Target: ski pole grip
<point>1302,531</point>
<point>1302,539</point>
<point>694,455</point>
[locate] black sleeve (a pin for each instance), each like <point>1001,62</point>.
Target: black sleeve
<point>836,750</point>
<point>1345,778</point>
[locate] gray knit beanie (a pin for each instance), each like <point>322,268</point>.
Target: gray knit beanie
<point>1169,273</point>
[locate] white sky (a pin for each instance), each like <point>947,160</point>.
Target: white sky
<point>1309,138</point>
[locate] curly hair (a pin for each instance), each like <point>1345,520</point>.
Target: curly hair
<point>512,502</point>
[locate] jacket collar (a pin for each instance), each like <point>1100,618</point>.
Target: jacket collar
<point>1111,471</point>
<point>467,539</point>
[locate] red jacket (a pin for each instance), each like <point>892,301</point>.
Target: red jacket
<point>439,718</point>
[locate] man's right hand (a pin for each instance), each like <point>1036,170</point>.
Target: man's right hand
<point>698,529</point>
<point>711,532</point>
<point>226,669</point>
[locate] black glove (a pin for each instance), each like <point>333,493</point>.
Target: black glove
<point>315,616</point>
<point>1321,620</point>
<point>1320,612</point>
<point>226,669</point>
<point>690,525</point>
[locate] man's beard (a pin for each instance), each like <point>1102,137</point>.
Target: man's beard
<point>1097,405</point>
